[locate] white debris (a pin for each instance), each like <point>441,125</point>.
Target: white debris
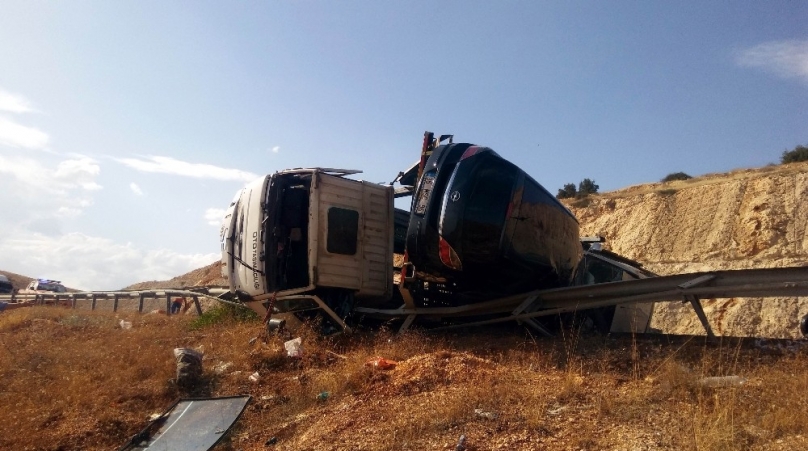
<point>294,348</point>
<point>721,381</point>
<point>487,415</point>
<point>221,367</point>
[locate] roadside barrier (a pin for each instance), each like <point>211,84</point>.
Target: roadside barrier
<point>114,301</point>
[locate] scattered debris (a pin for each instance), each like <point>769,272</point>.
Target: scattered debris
<point>276,325</point>
<point>557,410</point>
<point>380,363</point>
<point>197,424</point>
<point>337,355</point>
<point>461,444</point>
<point>294,348</point>
<point>189,366</point>
<point>323,395</point>
<point>780,346</point>
<point>221,367</point>
<point>271,441</point>
<point>255,377</point>
<point>125,325</point>
<point>487,415</point>
<point>721,381</point>
<point>253,340</point>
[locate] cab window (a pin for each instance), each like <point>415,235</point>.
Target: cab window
<point>343,230</point>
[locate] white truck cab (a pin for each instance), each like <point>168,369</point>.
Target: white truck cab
<point>309,232</point>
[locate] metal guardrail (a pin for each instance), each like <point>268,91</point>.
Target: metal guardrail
<point>98,299</point>
<point>768,282</point>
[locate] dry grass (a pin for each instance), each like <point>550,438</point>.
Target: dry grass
<point>78,381</point>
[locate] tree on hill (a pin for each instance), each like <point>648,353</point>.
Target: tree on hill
<point>799,153</point>
<point>587,187</point>
<point>676,176</point>
<point>567,192</point>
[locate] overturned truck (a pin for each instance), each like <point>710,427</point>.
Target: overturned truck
<point>482,242</point>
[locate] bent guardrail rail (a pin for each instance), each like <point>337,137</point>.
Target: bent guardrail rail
<point>96,299</point>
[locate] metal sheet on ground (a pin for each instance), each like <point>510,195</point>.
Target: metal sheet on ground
<point>190,425</point>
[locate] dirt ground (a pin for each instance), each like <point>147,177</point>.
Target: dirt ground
<point>76,380</point>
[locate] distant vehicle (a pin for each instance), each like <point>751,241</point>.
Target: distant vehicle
<point>44,286</point>
<point>481,228</point>
<point>5,285</point>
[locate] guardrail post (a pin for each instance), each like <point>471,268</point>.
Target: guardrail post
<point>142,297</point>
<point>115,303</point>
<point>92,305</point>
<point>198,307</point>
<point>72,301</point>
<point>168,304</point>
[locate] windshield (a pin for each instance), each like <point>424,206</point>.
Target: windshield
<point>55,287</point>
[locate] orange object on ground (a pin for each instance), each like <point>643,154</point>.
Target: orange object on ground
<point>381,363</point>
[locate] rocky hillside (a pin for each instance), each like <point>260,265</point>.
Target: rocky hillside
<point>17,281</point>
<point>751,218</point>
<point>206,276</point>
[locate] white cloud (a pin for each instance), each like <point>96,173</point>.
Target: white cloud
<point>214,216</point>
<point>40,195</point>
<point>788,59</point>
<point>79,172</point>
<point>135,189</point>
<point>15,135</point>
<point>14,103</point>
<point>69,175</point>
<point>92,263</point>
<point>276,149</point>
<point>168,165</point>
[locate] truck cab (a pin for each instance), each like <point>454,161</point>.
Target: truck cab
<point>309,232</point>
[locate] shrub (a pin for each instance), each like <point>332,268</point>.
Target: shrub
<point>799,153</point>
<point>582,202</point>
<point>567,192</point>
<point>676,176</point>
<point>224,313</point>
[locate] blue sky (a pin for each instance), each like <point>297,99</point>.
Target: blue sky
<point>126,127</point>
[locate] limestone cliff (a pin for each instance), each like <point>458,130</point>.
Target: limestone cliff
<point>751,218</point>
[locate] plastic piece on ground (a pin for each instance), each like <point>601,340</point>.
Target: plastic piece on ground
<point>190,424</point>
<point>294,348</point>
<point>380,363</point>
<point>461,444</point>
<point>189,366</point>
<point>721,381</point>
<point>125,325</point>
<point>323,395</point>
<point>487,415</point>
